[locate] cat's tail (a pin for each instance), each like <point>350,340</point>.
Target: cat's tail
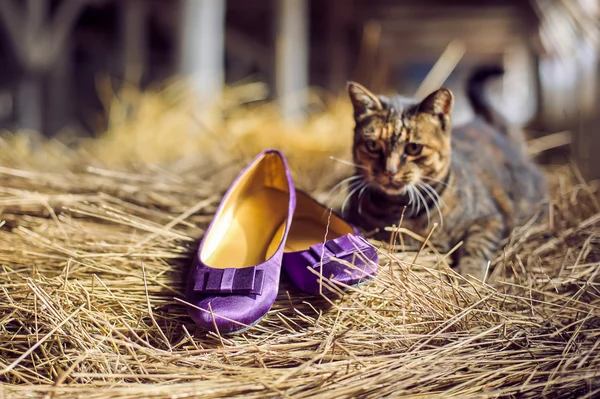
<point>478,98</point>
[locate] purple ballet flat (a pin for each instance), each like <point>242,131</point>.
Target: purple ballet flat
<point>322,246</point>
<point>234,279</point>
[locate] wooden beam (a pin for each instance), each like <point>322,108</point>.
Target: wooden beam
<point>465,32</point>
<point>445,3</point>
<point>402,12</point>
<point>403,47</point>
<point>442,69</point>
<point>467,26</point>
<point>429,55</point>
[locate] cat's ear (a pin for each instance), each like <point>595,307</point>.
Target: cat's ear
<point>440,102</point>
<point>363,101</point>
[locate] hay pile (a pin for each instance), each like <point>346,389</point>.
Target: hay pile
<point>94,250</point>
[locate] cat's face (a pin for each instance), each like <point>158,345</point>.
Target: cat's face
<point>400,149</point>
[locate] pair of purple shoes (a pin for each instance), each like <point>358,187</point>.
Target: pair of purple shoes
<point>234,279</point>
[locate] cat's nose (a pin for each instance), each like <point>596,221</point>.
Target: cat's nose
<point>391,165</point>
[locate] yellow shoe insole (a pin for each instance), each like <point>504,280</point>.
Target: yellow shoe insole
<point>312,222</point>
<point>306,232</point>
<point>250,231</point>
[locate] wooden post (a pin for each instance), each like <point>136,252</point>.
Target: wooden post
<point>203,47</point>
<point>337,48</point>
<point>586,137</point>
<point>30,102</point>
<point>292,58</point>
<point>38,40</point>
<point>133,31</point>
<point>58,110</point>
<point>519,97</point>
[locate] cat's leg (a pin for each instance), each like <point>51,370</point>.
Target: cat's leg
<point>482,240</point>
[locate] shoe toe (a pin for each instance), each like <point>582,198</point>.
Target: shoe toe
<point>340,274</point>
<point>350,269</point>
<point>228,313</point>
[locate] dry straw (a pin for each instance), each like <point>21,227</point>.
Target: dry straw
<point>96,241</point>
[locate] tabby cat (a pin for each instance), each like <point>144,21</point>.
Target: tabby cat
<point>475,180</point>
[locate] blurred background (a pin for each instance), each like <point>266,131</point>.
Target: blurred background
<point>60,56</point>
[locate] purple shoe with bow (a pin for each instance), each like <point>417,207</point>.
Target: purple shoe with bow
<point>322,249</point>
<point>234,279</point>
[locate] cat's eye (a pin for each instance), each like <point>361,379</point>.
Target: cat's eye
<point>372,145</point>
<point>413,149</point>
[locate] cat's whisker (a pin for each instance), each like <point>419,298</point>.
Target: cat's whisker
<point>349,180</point>
<point>350,194</point>
<point>343,161</point>
<point>435,180</point>
<point>412,198</point>
<point>360,194</point>
<point>437,200</point>
<point>421,198</point>
<point>359,186</point>
<point>362,191</point>
<point>406,191</point>
<point>415,198</point>
<point>346,180</point>
<point>428,190</point>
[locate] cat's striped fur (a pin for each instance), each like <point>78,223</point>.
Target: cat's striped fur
<point>475,180</point>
